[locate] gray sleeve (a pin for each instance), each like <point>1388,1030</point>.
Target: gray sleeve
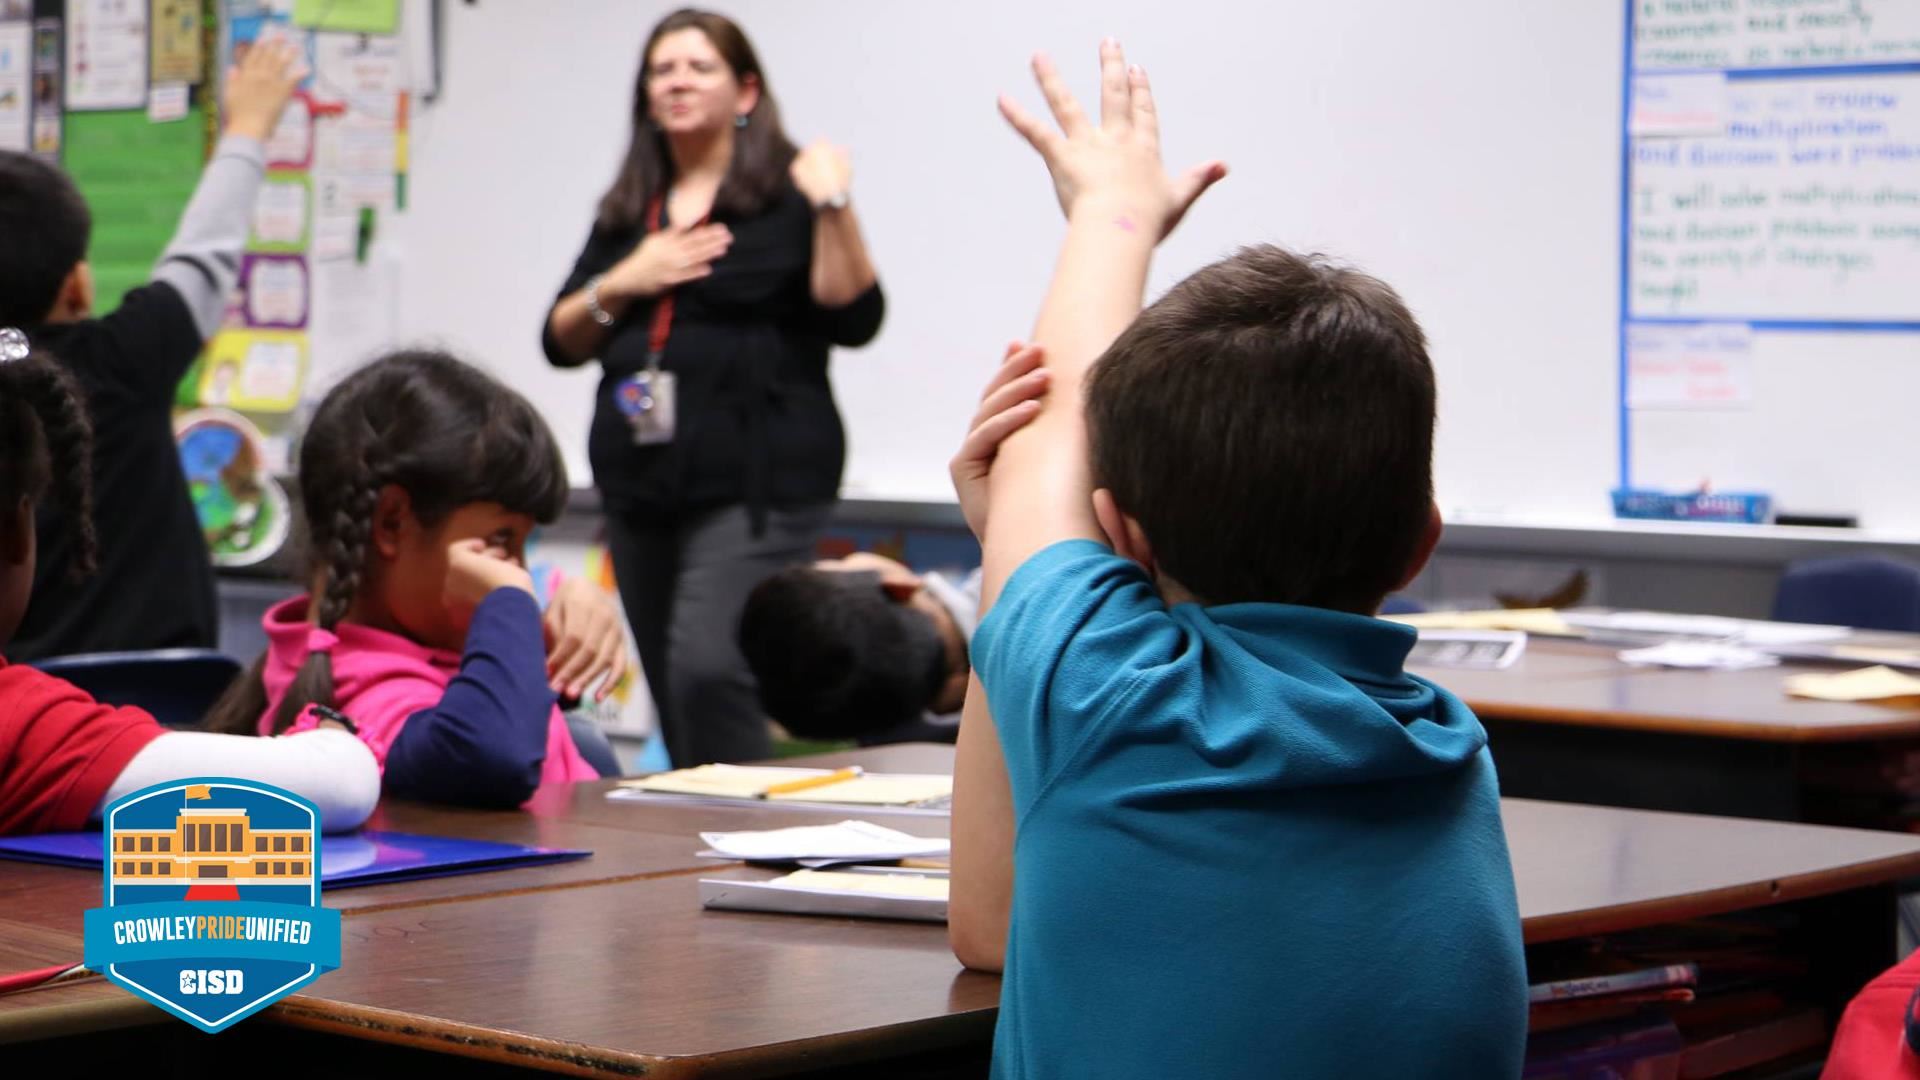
<point>203,261</point>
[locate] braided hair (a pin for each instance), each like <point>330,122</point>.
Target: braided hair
<point>46,447</point>
<point>443,431</point>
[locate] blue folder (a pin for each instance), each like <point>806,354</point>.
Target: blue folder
<point>368,857</point>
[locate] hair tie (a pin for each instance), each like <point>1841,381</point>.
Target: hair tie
<point>320,640</point>
<point>13,344</point>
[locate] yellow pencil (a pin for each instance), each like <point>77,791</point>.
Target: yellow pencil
<point>811,782</point>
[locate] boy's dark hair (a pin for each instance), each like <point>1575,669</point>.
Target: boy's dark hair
<point>46,226</point>
<point>1269,422</point>
<point>762,152</point>
<point>46,447</point>
<point>448,434</point>
<point>837,658</point>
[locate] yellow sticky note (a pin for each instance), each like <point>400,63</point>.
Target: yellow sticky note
<point>1866,684</point>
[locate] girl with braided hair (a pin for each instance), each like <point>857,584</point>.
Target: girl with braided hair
<point>421,478</point>
<point>64,756</point>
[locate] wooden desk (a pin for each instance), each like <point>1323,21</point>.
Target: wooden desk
<point>1571,722</point>
<point>632,977</point>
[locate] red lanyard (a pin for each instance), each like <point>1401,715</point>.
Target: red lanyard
<point>662,308</point>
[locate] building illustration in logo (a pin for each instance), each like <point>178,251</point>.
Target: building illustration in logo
<point>212,899</point>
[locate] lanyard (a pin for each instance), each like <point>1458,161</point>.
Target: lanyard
<point>663,307</point>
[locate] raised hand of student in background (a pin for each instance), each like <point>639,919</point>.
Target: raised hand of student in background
<point>668,258</point>
<point>1111,167</point>
<point>1009,403</point>
<point>260,85</point>
<point>474,570</point>
<point>585,641</point>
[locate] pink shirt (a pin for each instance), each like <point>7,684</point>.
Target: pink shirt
<point>380,679</point>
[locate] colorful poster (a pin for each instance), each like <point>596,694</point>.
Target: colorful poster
<point>106,54</point>
<point>357,16</point>
<point>48,123</point>
<point>291,144</point>
<point>177,55</point>
<point>243,511</point>
<point>16,86</point>
<point>363,73</point>
<point>256,371</point>
<point>283,214</point>
<point>274,291</point>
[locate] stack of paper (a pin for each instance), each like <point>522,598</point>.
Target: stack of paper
<point>863,891</point>
<point>1529,620</point>
<point>1866,684</point>
<point>1704,655</point>
<point>1754,632</point>
<point>823,845</point>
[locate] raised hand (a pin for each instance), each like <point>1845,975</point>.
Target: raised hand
<point>1112,166</point>
<point>822,171</point>
<point>260,85</point>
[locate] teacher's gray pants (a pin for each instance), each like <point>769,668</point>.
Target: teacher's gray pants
<point>684,584</point>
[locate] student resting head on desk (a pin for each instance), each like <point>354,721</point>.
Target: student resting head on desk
<point>64,756</point>
<point>421,477</point>
<point>1249,843</point>
<point>862,647</point>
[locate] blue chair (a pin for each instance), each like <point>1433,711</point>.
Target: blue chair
<point>593,745</point>
<point>177,686</point>
<point>1871,592</point>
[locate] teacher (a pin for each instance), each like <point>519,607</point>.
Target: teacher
<point>722,266</point>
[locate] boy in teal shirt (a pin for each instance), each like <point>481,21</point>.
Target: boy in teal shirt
<point>1209,825</point>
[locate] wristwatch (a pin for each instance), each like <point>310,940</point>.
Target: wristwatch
<point>599,314</point>
<point>836,201</point>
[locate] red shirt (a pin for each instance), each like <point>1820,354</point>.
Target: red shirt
<point>60,750</point>
<point>1876,1037</point>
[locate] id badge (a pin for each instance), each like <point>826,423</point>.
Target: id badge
<point>646,399</point>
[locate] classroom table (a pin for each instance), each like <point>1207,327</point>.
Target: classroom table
<point>628,976</point>
<point>1569,721</point>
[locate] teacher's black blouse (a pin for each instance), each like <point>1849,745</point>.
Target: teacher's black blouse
<point>756,418</point>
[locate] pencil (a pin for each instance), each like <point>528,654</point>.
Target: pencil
<point>811,782</point>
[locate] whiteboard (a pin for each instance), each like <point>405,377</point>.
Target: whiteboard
<point>1468,153</point>
<point>1771,252</point>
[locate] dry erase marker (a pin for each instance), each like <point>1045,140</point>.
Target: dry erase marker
<point>811,782</point>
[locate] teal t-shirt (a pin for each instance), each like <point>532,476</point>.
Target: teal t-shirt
<point>1249,844</point>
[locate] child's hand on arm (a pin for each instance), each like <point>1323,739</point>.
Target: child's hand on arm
<point>259,87</point>
<point>474,571</point>
<point>585,642</point>
<point>1009,403</point>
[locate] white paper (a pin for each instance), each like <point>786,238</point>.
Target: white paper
<point>277,292</point>
<point>1690,366</point>
<point>1486,650</point>
<point>1704,655</point>
<point>1752,632</point>
<point>360,71</point>
<point>1694,103</point>
<point>280,215</point>
<point>106,54</point>
<point>167,103</point>
<point>843,841</point>
<point>16,82</point>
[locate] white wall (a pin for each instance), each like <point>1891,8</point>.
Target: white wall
<point>1467,152</point>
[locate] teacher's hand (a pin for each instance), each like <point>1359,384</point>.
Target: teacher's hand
<point>822,172</point>
<point>666,259</point>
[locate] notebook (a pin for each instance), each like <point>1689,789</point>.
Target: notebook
<point>863,891</point>
<point>369,857</point>
<point>728,782</point>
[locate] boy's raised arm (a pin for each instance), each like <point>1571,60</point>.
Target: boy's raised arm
<point>1119,203</point>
